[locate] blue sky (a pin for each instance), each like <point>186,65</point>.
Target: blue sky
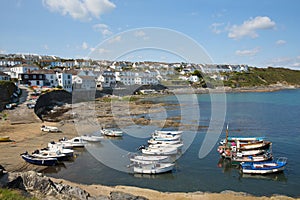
<point>258,33</point>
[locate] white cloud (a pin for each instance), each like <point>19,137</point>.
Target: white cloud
<point>2,51</point>
<point>248,52</point>
<point>249,27</point>
<point>102,50</point>
<point>84,46</point>
<point>80,9</point>
<point>280,42</point>
<point>115,39</point>
<point>215,28</point>
<point>103,28</point>
<point>46,47</point>
<point>139,34</point>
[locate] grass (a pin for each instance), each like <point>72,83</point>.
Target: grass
<point>8,194</point>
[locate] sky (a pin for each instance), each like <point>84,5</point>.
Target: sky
<point>258,33</point>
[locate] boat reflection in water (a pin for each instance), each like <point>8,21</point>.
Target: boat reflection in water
<point>227,167</point>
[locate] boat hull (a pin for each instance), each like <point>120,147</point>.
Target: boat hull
<point>153,169</point>
<point>39,161</point>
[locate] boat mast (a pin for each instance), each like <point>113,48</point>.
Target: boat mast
<point>226,139</point>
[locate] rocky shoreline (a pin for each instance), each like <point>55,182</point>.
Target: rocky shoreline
<point>42,187</point>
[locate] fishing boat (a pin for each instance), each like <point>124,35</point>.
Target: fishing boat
<point>178,146</point>
<point>4,139</point>
<point>266,167</point>
<point>154,141</point>
<point>39,161</point>
<point>58,146</point>
<point>153,168</point>
<point>50,154</point>
<point>49,128</point>
<point>255,145</point>
<point>76,142</point>
<point>166,137</point>
<point>111,133</point>
<point>156,133</point>
<point>241,139</point>
<point>160,151</point>
<point>91,138</point>
<point>148,159</point>
<point>236,160</point>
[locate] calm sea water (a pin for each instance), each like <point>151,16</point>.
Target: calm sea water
<point>274,115</point>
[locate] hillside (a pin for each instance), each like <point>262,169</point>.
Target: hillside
<point>263,77</point>
<point>7,89</point>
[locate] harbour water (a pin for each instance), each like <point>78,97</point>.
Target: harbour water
<point>274,115</point>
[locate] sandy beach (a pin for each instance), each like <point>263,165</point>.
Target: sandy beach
<point>23,128</point>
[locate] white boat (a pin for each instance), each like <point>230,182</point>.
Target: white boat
<point>111,133</point>
<point>49,128</point>
<point>148,159</point>
<point>49,154</point>
<point>91,138</point>
<point>160,151</point>
<point>74,142</point>
<point>156,132</point>
<point>255,145</point>
<point>266,167</point>
<point>154,141</point>
<point>166,137</point>
<point>250,152</point>
<point>58,146</point>
<point>241,139</point>
<point>153,168</point>
<point>154,146</point>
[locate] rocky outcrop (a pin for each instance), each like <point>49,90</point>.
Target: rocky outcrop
<point>42,187</point>
<point>7,89</point>
<point>48,101</point>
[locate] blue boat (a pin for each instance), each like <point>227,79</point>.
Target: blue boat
<point>266,167</point>
<point>39,161</point>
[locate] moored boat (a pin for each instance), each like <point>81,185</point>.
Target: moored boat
<point>111,133</point>
<point>153,168</point>
<point>50,154</point>
<point>164,142</point>
<point>91,138</point>
<point>235,160</point>
<point>75,142</point>
<point>148,159</point>
<point>160,151</point>
<point>39,161</point>
<point>266,167</point>
<point>49,128</point>
<point>4,139</point>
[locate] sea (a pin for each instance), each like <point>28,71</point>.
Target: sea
<point>273,115</point>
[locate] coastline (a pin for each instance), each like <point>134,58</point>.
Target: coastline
<point>26,135</point>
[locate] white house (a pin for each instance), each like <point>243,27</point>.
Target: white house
<point>194,79</point>
<point>51,79</point>
<point>109,79</point>
<point>64,79</point>
<point>84,83</point>
<point>22,69</point>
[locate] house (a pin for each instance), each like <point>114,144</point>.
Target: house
<point>4,76</point>
<point>64,79</point>
<point>50,77</point>
<point>84,83</point>
<point>22,69</point>
<point>32,79</point>
<point>109,79</point>
<point>194,79</point>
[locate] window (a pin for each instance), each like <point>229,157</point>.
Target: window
<point>34,76</point>
<point>69,76</point>
<point>26,76</point>
<point>41,76</point>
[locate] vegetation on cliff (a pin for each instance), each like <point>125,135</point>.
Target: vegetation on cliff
<point>263,77</point>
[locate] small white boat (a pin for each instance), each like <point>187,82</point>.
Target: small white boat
<point>153,168</point>
<point>44,154</point>
<point>111,133</point>
<point>155,146</point>
<point>154,141</point>
<point>91,138</point>
<point>266,167</point>
<point>166,137</point>
<point>148,159</point>
<point>241,139</point>
<point>49,128</point>
<point>58,146</point>
<point>255,145</point>
<point>74,142</point>
<point>160,151</point>
<point>250,152</point>
<point>156,132</point>
<point>258,158</point>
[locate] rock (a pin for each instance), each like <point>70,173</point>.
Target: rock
<point>125,196</point>
<point>41,186</point>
